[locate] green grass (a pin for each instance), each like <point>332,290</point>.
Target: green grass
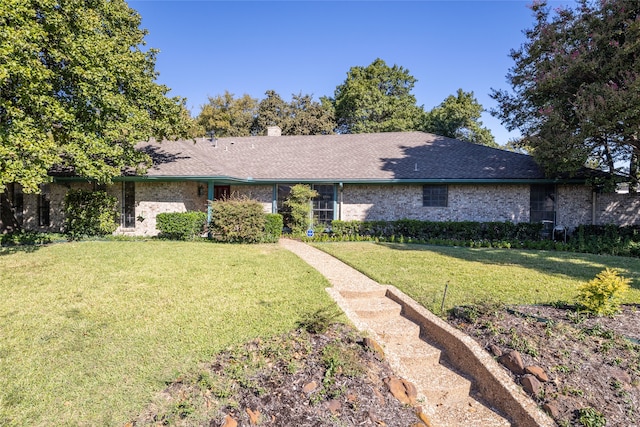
<point>481,275</point>
<point>90,332</point>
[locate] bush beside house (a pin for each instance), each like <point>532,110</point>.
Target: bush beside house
<point>89,213</point>
<point>181,225</point>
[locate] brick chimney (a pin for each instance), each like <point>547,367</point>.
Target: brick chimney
<point>274,131</point>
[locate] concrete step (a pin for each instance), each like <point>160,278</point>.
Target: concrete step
<point>396,331</point>
<point>363,291</point>
<point>371,308</point>
<point>469,412</point>
<point>419,355</point>
<point>440,384</point>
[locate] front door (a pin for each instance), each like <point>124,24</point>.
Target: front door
<point>221,192</point>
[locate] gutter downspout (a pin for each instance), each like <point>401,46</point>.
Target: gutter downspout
<point>210,186</point>
<point>340,189</point>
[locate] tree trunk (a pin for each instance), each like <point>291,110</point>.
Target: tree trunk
<point>8,221</point>
<point>633,170</point>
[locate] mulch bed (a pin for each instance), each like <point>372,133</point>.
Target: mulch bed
<point>593,363</point>
<point>301,379</point>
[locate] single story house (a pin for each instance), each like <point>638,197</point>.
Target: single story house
<point>383,176</point>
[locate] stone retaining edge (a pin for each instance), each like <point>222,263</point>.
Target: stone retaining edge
<point>465,354</point>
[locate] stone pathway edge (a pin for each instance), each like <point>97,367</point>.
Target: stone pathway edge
<point>466,355</point>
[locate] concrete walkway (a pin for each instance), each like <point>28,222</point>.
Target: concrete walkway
<point>443,392</point>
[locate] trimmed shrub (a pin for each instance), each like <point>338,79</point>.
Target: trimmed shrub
<point>273,224</point>
<point>24,237</point>
<point>181,225</point>
<point>89,213</point>
<point>299,203</point>
<point>238,220</point>
<point>602,296</point>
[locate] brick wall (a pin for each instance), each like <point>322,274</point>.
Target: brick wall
<point>573,205</point>
<point>153,198</point>
<point>261,193</point>
<point>362,202</point>
<point>465,203</point>
<point>619,209</point>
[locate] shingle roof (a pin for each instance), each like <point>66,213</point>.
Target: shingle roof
<point>382,157</point>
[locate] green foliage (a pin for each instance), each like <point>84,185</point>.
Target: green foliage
<point>459,117</point>
<point>89,213</point>
<point>227,116</point>
<point>78,91</point>
<point>603,295</point>
<point>597,239</point>
<point>301,116</point>
<point>299,204</point>
<point>590,417</point>
<point>377,98</point>
<point>339,360</point>
<point>320,320</point>
<point>181,225</point>
<point>237,220</point>
<point>24,237</point>
<point>574,99</point>
<point>273,224</point>
<point>475,233</point>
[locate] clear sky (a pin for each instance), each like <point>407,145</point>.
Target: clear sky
<point>207,47</point>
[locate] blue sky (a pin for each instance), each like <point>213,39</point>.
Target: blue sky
<point>207,47</point>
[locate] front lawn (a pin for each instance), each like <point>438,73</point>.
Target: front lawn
<point>478,275</point>
<point>92,331</point>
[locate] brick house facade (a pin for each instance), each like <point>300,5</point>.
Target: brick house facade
<point>388,176</point>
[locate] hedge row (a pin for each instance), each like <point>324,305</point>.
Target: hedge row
<point>596,239</point>
<point>234,221</point>
<point>447,230</point>
<point>181,225</point>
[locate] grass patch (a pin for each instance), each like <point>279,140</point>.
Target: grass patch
<point>91,331</point>
<point>477,275</point>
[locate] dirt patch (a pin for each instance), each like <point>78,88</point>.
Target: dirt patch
<point>300,379</point>
<point>592,363</point>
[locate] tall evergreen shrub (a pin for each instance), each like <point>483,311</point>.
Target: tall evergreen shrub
<point>90,213</point>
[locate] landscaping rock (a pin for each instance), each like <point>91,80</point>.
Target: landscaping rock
<point>309,387</point>
<point>537,372</point>
<point>495,350</point>
<point>254,416</point>
<point>373,345</point>
<point>551,408</point>
<point>402,390</point>
<point>229,422</point>
<point>531,385</point>
<point>422,416</point>
<point>513,362</point>
<point>334,406</point>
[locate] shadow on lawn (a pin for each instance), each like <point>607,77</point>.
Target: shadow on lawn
<point>576,265</point>
<point>10,250</point>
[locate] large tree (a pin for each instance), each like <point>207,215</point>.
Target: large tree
<point>226,115</point>
<point>77,90</point>
<point>301,116</point>
<point>459,117</point>
<point>576,87</point>
<point>376,98</point>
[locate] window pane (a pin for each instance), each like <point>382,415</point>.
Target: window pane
<point>543,204</point>
<point>323,204</point>
<point>44,208</point>
<point>128,204</point>
<point>434,195</point>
